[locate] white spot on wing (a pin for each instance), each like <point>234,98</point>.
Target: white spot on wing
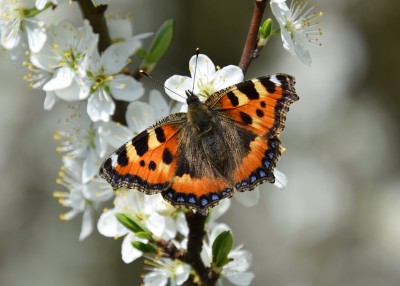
<point>274,80</point>
<point>114,158</point>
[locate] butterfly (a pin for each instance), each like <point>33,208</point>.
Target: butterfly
<point>195,159</point>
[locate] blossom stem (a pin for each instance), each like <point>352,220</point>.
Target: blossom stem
<point>250,50</point>
<point>196,224</point>
<point>95,16</point>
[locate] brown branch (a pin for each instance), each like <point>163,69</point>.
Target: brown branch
<point>250,48</point>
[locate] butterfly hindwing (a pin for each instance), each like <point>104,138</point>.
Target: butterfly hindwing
<point>198,182</point>
<point>258,165</point>
<point>197,193</point>
<point>148,161</point>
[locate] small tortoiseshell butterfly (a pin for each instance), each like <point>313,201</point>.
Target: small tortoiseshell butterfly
<point>195,159</point>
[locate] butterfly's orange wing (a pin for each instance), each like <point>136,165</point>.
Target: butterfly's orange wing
<point>148,161</point>
<point>259,106</point>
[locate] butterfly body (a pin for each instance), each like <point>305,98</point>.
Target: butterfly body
<point>197,158</point>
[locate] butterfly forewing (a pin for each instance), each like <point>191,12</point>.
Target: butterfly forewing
<point>148,161</point>
<point>259,105</point>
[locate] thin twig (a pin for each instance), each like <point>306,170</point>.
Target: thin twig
<point>250,47</point>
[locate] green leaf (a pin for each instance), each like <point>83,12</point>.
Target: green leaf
<point>141,53</point>
<point>264,33</point>
<point>130,223</point>
<point>145,235</point>
<point>221,247</point>
<point>144,247</point>
<point>266,28</point>
<point>161,41</point>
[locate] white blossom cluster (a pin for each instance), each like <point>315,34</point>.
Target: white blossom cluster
<point>63,60</point>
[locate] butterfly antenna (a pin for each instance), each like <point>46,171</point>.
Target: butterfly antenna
<point>195,68</point>
<point>159,83</point>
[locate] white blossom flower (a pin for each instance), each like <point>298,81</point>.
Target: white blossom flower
<point>80,197</point>
<point>20,30</point>
<point>236,270</point>
<point>299,27</point>
<point>121,33</point>
<point>164,270</point>
<point>105,82</point>
<point>63,56</point>
<point>82,140</point>
<point>208,80</point>
<point>144,209</point>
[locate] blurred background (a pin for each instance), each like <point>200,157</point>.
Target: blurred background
<point>337,222</point>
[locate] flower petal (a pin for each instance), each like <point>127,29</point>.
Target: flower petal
<point>176,87</point>
<point>156,224</point>
<point>157,101</point>
<point>100,106</point>
<point>281,11</point>
<point>87,224</point>
<point>249,198</point>
<point>219,210</point>
<point>109,226</point>
<point>35,33</point>
<point>155,278</point>
<point>50,100</point>
<point>89,169</point>
<point>240,278</point>
<point>10,38</point>
<point>126,88</point>
<point>62,78</point>
<point>228,76</point>
<point>182,273</point>
<point>303,54</point>
<point>128,252</point>
<point>205,66</point>
<point>119,29</point>
<point>115,134</point>
<point>217,230</point>
<point>280,179</point>
<point>139,116</point>
<point>134,43</point>
<point>241,260</point>
<point>71,93</point>
<point>114,59</point>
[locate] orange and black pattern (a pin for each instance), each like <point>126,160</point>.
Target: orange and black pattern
<point>195,159</point>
